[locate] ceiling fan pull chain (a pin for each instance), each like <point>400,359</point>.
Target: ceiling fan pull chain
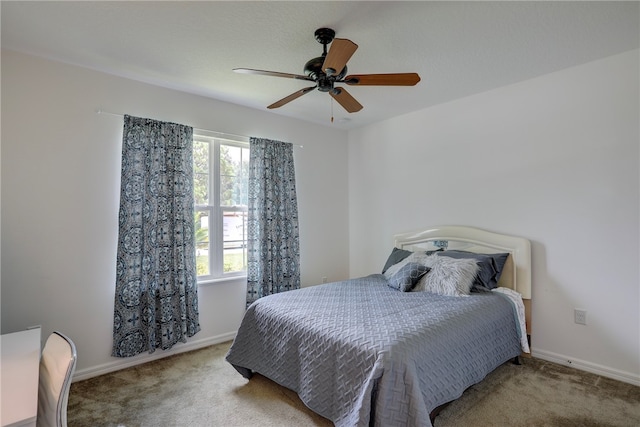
<point>331,110</point>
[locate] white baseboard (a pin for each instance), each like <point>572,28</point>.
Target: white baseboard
<point>122,363</point>
<point>583,365</point>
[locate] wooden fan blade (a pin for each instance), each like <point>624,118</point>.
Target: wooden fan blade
<point>400,79</point>
<point>345,99</point>
<point>291,97</point>
<point>272,74</point>
<point>338,55</point>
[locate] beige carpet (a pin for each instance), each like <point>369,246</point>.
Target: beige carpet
<point>199,388</point>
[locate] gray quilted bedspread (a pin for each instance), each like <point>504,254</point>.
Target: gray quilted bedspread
<point>361,353</point>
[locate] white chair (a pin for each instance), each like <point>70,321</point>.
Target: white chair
<point>57,364</point>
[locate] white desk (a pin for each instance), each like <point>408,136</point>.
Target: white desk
<point>19,372</point>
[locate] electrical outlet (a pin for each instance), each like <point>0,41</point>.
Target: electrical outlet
<point>580,316</point>
<point>324,279</point>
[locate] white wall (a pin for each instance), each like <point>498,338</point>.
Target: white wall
<point>554,159</point>
<point>60,195</point>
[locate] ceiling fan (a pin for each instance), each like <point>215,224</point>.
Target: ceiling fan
<point>331,68</point>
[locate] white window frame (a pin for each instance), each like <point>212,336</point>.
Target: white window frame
<point>215,211</point>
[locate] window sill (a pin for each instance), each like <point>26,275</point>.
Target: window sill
<point>223,280</point>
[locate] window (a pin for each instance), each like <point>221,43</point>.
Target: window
<point>220,176</point>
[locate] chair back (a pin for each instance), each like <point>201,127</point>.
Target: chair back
<point>57,364</point>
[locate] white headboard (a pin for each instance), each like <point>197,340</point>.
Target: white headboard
<point>517,270</point>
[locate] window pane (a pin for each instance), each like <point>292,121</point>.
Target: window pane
<point>234,169</point>
<point>201,172</point>
<point>227,195</point>
<point>202,243</point>
<point>234,225</point>
<point>201,189</point>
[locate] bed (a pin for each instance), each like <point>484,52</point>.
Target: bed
<point>383,351</point>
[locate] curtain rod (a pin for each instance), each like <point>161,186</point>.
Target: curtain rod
<point>100,111</point>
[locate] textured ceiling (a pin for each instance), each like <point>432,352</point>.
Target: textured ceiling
<point>458,48</point>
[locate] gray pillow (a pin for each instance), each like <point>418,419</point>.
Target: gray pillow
<point>406,278</point>
<point>395,257</point>
<point>398,255</point>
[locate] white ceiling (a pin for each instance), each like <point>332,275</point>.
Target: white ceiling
<point>458,48</point>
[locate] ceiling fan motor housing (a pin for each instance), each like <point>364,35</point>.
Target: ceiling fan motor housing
<point>313,69</point>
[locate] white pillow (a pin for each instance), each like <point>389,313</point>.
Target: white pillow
<point>449,276</point>
<point>417,257</point>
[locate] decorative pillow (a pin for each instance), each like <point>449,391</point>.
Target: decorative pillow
<point>418,257</point>
<point>395,257</point>
<point>491,266</point>
<point>408,276</point>
<point>450,276</point>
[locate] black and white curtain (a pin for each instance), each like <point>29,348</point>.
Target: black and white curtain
<point>273,246</point>
<point>156,301</point>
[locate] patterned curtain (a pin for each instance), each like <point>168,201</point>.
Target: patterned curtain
<point>273,246</point>
<point>156,301</point>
